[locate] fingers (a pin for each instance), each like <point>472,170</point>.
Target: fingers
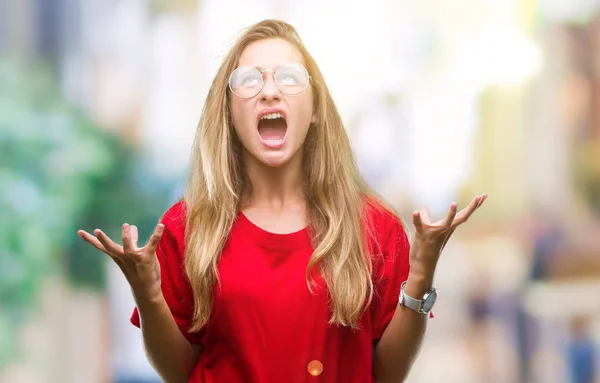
<point>92,240</point>
<point>126,235</point>
<point>424,213</point>
<point>417,221</point>
<point>130,238</point>
<point>471,207</point>
<point>467,211</point>
<point>134,235</point>
<point>450,216</point>
<point>452,219</point>
<point>483,198</point>
<point>153,242</point>
<point>108,244</point>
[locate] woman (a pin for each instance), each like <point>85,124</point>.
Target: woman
<point>280,264</point>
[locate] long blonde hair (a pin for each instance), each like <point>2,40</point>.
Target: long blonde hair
<point>335,192</point>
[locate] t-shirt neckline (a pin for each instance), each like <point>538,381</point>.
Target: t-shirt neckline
<point>297,239</point>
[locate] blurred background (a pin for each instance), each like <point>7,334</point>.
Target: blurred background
<point>443,100</point>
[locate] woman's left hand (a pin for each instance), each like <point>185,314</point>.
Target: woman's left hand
<point>431,237</point>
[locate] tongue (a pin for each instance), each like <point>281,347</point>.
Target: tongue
<point>272,129</point>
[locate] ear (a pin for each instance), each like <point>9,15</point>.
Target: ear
<point>313,118</point>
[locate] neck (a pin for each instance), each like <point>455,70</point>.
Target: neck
<point>272,188</point>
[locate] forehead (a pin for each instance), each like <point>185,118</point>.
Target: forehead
<point>269,54</point>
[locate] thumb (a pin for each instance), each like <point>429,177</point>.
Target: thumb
<point>156,236</point>
<point>417,221</point>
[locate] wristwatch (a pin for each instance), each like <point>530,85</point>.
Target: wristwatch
<point>422,306</point>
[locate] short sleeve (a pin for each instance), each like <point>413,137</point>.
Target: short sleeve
<point>390,269</point>
<point>174,281</point>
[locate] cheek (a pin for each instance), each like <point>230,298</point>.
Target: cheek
<point>240,120</point>
<point>306,112</point>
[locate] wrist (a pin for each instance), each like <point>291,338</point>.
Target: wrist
<point>144,300</point>
<point>146,289</point>
<point>417,285</point>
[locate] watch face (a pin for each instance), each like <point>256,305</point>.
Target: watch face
<point>429,301</point>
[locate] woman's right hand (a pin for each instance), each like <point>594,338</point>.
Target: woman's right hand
<point>139,264</point>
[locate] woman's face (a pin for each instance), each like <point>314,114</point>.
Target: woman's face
<point>271,125</point>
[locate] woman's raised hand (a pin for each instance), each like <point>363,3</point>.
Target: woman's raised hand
<point>139,264</point>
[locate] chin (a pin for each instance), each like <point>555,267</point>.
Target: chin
<point>275,160</point>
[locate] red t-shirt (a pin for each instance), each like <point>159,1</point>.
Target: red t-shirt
<point>266,327</point>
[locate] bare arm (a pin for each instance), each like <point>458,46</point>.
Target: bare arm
<point>401,341</point>
<point>396,351</point>
<point>168,350</point>
<point>170,353</point>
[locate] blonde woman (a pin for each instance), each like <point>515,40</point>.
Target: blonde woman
<point>279,264</point>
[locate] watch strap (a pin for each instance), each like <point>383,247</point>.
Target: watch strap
<point>410,302</point>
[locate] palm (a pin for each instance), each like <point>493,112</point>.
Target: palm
<point>433,236</point>
<point>138,264</point>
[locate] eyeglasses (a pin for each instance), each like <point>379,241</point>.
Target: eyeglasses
<point>290,78</point>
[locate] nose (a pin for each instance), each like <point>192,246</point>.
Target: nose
<point>269,91</point>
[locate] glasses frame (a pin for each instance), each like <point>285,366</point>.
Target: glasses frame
<point>274,79</point>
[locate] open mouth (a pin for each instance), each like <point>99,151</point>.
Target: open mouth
<point>272,128</point>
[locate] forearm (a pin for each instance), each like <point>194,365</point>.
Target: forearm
<point>401,341</point>
<point>169,352</point>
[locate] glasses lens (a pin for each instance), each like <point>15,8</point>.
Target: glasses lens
<point>245,82</point>
<point>292,78</point>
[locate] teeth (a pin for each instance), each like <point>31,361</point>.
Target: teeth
<point>275,141</point>
<point>271,116</point>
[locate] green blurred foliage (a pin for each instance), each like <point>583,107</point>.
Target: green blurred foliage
<point>59,172</point>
